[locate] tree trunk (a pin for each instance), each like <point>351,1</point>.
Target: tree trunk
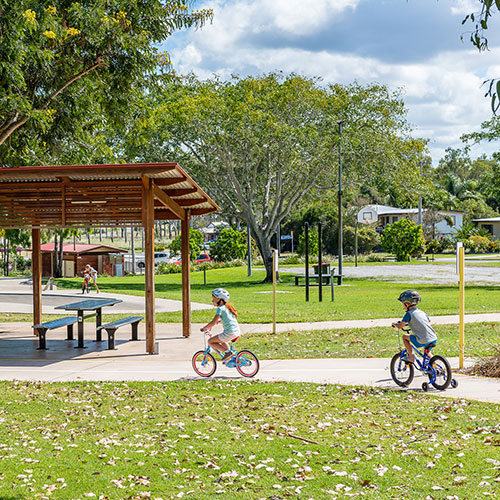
<point>58,252</point>
<point>264,246</point>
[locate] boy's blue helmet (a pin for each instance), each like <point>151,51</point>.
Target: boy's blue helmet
<point>410,296</point>
<point>221,293</point>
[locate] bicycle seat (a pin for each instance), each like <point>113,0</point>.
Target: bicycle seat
<point>234,340</point>
<point>431,345</point>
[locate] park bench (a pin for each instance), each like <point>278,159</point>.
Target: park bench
<point>325,278</point>
<point>42,329</point>
<point>113,326</point>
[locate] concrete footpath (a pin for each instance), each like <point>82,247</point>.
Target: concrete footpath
<point>20,360</point>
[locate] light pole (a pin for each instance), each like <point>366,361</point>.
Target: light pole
<point>420,201</point>
<point>340,238</point>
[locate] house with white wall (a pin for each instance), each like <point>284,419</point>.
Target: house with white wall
<point>383,215</point>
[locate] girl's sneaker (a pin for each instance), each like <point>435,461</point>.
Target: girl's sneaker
<point>226,356</point>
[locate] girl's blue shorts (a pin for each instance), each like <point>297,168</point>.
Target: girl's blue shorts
<point>416,343</point>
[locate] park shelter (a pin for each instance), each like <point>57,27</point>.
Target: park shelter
<point>104,259</point>
<point>82,196</point>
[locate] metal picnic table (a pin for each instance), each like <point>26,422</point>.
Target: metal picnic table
<point>94,305</point>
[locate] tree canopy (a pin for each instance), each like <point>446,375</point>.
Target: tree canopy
<point>260,144</point>
<point>67,67</point>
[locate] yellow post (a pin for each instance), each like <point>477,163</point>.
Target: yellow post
<point>461,328</point>
<point>275,268</point>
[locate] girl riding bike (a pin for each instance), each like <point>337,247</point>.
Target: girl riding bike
<point>227,315</point>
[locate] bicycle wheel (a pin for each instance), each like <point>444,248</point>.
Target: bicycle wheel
<point>204,364</point>
<point>401,373</point>
<point>442,369</point>
<point>247,363</point>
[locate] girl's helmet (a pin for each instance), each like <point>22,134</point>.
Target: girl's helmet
<point>221,293</point>
<point>410,296</point>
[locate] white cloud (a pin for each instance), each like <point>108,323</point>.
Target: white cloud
<point>443,92</point>
<point>299,17</point>
<point>464,7</point>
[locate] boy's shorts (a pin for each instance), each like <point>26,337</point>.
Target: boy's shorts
<point>228,336</point>
<point>416,343</point>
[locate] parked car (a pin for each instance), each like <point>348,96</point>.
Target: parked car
<point>203,257</point>
<point>159,258</point>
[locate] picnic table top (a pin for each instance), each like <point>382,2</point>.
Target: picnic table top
<point>89,304</point>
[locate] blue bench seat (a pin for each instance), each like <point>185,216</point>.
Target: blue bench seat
<point>42,329</point>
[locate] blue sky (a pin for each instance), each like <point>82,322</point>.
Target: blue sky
<point>414,45</point>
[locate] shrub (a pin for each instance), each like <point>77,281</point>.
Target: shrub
<point>291,259</point>
<point>166,268</point>
<point>432,246</point>
<point>403,238</point>
<point>373,257</point>
<point>446,243</point>
<point>229,245</point>
<point>494,246</point>
<point>368,239</point>
<point>195,243</point>
<point>477,244</point>
<point>313,242</point>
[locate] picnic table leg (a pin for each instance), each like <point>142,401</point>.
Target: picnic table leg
<point>80,344</point>
<point>111,337</point>
<point>41,338</point>
<point>98,323</point>
<point>69,335</point>
<point>134,331</point>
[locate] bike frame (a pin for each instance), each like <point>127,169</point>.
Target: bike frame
<point>232,361</point>
<point>423,365</point>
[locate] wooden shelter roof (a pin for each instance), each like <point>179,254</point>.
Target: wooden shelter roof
<point>96,195</point>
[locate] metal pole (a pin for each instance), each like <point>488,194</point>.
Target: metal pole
<point>320,265</point>
<point>249,253</point>
<point>275,270</point>
<point>462,306</point>
<point>306,231</point>
<point>420,202</point>
<point>205,274</point>
<point>356,245</point>
<point>341,245</point>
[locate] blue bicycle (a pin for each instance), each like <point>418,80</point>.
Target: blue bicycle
<point>437,368</point>
<point>204,364</point>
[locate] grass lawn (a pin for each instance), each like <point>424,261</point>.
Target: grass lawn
<point>366,342</point>
<point>356,299</point>
<point>242,440</point>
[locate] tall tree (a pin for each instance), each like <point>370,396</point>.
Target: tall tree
<point>66,65</point>
<point>260,144</point>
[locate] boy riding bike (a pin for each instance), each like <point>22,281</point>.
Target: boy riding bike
<point>227,315</point>
<point>422,332</point>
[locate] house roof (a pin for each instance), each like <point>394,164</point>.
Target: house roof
<point>97,195</point>
<point>79,248</point>
<point>387,210</point>
<point>487,219</point>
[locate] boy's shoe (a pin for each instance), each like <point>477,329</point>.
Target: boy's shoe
<point>407,361</point>
<point>226,356</point>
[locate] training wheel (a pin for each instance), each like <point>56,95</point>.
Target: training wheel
<point>425,386</point>
<point>454,383</point>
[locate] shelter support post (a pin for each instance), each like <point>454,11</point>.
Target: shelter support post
<point>36,271</point>
<point>148,223</point>
<point>186,277</point>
